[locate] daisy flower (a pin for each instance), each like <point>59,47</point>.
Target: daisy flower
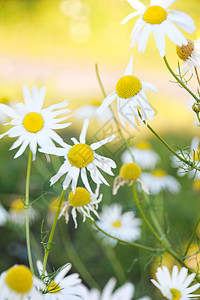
<point>124,226</point>
<point>17,212</point>
<point>196,185</point>
<point>19,283</point>
<point>131,99</point>
<point>128,174</point>
<point>3,215</point>
<point>159,180</point>
<point>175,286</point>
<point>193,155</point>
<point>83,202</point>
<point>62,287</point>
<point>33,125</point>
<point>157,18</point>
<point>190,57</point>
<point>79,158</point>
<point>143,154</point>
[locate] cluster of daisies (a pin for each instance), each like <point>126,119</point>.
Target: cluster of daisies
<point>34,127</point>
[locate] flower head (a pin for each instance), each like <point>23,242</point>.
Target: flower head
<point>124,226</point>
<point>18,283</point>
<point>17,212</point>
<point>79,158</point>
<point>175,286</point>
<point>33,125</point>
<point>3,215</point>
<point>83,202</point>
<point>143,154</point>
<point>157,18</point>
<point>131,99</point>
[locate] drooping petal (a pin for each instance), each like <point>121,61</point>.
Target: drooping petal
<point>159,37</point>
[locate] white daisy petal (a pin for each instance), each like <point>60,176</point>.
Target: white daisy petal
<point>99,144</point>
<point>159,39</point>
<point>129,68</point>
<point>138,5</point>
<point>167,3</point>
<point>8,111</point>
<point>106,102</point>
<point>83,132</point>
<point>131,16</point>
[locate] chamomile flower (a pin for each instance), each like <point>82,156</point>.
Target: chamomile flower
<point>159,180</point>
<point>33,125</point>
<point>131,99</point>
<point>3,215</point>
<point>190,57</point>
<point>124,292</point>
<point>17,212</point>
<point>176,285</point>
<point>196,185</point>
<point>52,209</point>
<point>157,18</point>
<point>128,174</point>
<point>124,226</point>
<point>18,283</point>
<point>83,202</point>
<point>143,154</point>
<point>79,158</point>
<point>62,287</point>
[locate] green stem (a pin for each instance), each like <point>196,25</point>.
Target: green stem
<point>128,243</point>
<point>126,144</point>
<point>192,237</point>
<point>27,205</point>
<point>49,244</point>
<point>180,81</point>
<point>197,75</point>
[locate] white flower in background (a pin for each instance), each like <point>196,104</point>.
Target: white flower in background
<point>157,18</point>
<point>62,287</point>
<point>159,180</point>
<point>3,215</point>
<point>124,292</point>
<point>196,185</point>
<point>33,125</point>
<point>17,212</point>
<point>175,286</point>
<point>79,158</point>
<point>193,155</point>
<point>83,202</point>
<point>190,56</point>
<point>89,112</point>
<point>128,174</point>
<point>131,99</point>
<point>143,154</point>
<point>3,117</point>
<point>124,226</point>
<point>18,283</point>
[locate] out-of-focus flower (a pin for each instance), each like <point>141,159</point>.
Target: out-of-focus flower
<point>3,215</point>
<point>124,226</point>
<point>3,117</point>
<point>33,125</point>
<point>175,286</point>
<point>17,212</point>
<point>131,99</point>
<point>191,58</point>
<point>83,202</point>
<point>62,287</point>
<point>196,185</point>
<point>157,18</point>
<point>143,154</point>
<point>79,158</point>
<point>18,283</point>
<point>159,180</point>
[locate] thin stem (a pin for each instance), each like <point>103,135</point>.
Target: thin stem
<point>128,243</point>
<point>126,144</point>
<point>49,244</point>
<point>196,72</point>
<point>27,205</point>
<point>192,237</point>
<point>180,81</point>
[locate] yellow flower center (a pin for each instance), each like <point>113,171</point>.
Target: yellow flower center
<point>54,204</point>
<point>185,51</point>
<point>53,287</point>
<point>117,224</point>
<point>155,15</point>
<point>143,145</point>
<point>17,205</point>
<point>159,173</point>
<point>130,171</point>
<point>33,122</point>
<point>128,86</point>
<point>196,185</point>
<point>80,198</point>
<point>175,294</point>
<point>4,100</point>
<point>19,279</point>
<point>80,155</point>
